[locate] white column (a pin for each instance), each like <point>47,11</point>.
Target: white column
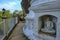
<point>58,30</point>
<point>4,26</point>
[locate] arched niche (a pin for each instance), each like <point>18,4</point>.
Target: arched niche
<point>47,25</point>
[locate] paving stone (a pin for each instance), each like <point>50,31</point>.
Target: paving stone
<point>17,33</point>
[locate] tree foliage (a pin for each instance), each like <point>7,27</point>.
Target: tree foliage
<point>14,13</point>
<point>9,15</point>
<point>0,16</point>
<point>21,14</point>
<point>7,12</point>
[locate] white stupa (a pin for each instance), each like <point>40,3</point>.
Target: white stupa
<point>35,26</point>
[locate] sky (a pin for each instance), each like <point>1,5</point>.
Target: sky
<point>10,5</point>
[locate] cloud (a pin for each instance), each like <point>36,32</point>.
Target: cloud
<point>9,6</point>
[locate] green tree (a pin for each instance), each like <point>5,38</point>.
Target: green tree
<point>0,16</point>
<point>21,14</point>
<point>14,13</point>
<point>8,14</point>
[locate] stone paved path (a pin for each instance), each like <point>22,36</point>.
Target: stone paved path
<point>17,34</point>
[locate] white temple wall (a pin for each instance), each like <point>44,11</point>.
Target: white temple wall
<point>56,14</point>
<point>33,23</point>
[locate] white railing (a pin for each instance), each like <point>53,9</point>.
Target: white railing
<point>6,26</point>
